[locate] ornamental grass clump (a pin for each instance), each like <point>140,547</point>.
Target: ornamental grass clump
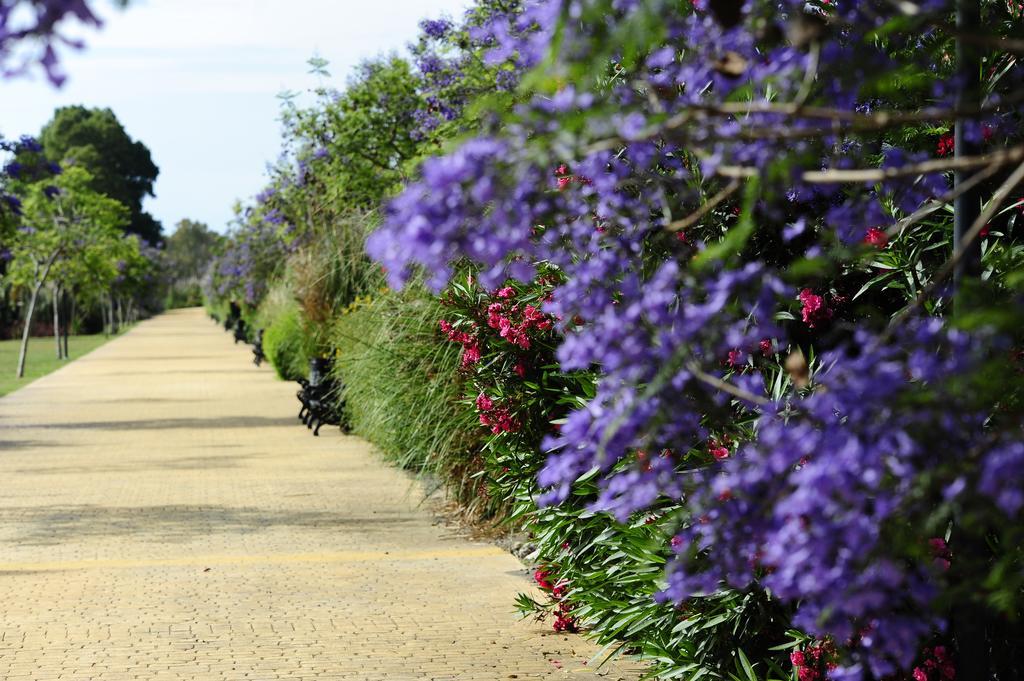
<point>403,391</point>
<point>287,342</point>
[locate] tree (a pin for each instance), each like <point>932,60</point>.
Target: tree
<point>122,168</point>
<point>62,218</point>
<point>366,134</point>
<point>189,250</point>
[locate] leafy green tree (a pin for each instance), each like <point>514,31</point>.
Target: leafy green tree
<point>122,168</point>
<point>63,218</point>
<point>366,134</point>
<point>186,256</point>
<point>190,248</point>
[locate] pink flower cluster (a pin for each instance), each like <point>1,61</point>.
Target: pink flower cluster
<point>815,310</point>
<point>514,322</point>
<point>815,661</point>
<point>945,144</point>
<point>718,449</point>
<point>564,178</point>
<point>941,553</point>
<point>498,419</point>
<point>564,621</point>
<point>737,358</point>
<point>470,344</point>
<point>937,666</point>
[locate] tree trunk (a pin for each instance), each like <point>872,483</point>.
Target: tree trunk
<point>69,316</point>
<point>56,319</point>
<point>28,329</point>
<point>113,319</point>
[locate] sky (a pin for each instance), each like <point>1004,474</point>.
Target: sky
<point>197,82</point>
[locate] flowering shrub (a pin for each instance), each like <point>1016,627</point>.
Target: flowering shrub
<point>548,582</point>
<point>852,447</point>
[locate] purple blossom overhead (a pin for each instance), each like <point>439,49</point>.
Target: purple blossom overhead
<point>29,34</point>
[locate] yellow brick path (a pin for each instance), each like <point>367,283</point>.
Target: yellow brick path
<point>163,515</point>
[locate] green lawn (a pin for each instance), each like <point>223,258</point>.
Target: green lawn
<point>41,358</point>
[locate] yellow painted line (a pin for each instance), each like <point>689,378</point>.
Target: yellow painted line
<point>271,559</point>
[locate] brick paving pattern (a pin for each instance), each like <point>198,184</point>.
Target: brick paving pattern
<point>163,515</point>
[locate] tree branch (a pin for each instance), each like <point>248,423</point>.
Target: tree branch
<point>695,216</point>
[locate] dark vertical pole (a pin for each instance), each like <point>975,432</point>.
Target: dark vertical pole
<point>969,618</point>
<point>967,206</point>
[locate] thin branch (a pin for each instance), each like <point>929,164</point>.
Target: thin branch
<point>695,216</point>
<point>1000,195</point>
<point>725,386</point>
<point>878,120</point>
<point>837,176</point>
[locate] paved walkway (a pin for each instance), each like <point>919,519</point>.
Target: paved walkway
<point>163,515</point>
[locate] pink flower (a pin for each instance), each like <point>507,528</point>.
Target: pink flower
<point>876,237</point>
<point>946,144</point>
<point>504,327</point>
<point>564,182</point>
<point>807,674</point>
<point>814,311</point>
<point>943,559</point>
<point>506,292</point>
<point>484,403</point>
<point>520,369</point>
<point>717,450</point>
<point>766,347</point>
<point>735,358</point>
<point>470,355</point>
<point>920,675</point>
<point>797,658</point>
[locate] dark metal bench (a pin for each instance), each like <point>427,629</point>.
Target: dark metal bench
<point>241,332</point>
<point>257,349</point>
<point>320,397</point>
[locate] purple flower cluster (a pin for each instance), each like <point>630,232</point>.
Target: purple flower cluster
<point>257,249</point>
<point>451,69</point>
<point>29,166</point>
<point>436,28</point>
<point>805,507</point>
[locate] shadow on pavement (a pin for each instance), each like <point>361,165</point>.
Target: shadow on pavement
<point>54,525</point>
<point>165,424</point>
